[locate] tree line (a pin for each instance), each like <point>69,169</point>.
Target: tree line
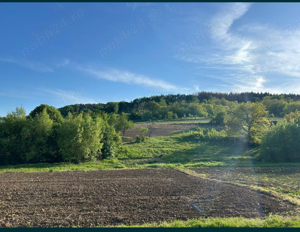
<point>84,132</point>
<point>45,136</point>
<point>204,104</point>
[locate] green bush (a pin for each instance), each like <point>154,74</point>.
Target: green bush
<point>205,135</point>
<point>281,144</point>
<point>137,139</point>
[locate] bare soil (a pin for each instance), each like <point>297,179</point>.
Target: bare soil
<point>106,198</point>
<point>162,129</point>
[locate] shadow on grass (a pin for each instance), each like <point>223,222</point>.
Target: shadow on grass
<point>208,151</point>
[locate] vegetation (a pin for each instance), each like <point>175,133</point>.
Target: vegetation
<point>281,143</point>
<point>271,221</point>
<point>48,137</point>
<point>91,132</point>
<point>247,120</point>
<point>200,105</point>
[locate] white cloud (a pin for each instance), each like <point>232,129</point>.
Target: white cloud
<point>254,55</point>
<point>222,22</point>
<point>34,65</point>
<point>131,78</point>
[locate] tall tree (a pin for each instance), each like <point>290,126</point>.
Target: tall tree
<point>247,120</point>
<point>123,123</point>
<point>36,135</point>
<point>11,143</point>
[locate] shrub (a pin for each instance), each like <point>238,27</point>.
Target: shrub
<point>281,144</point>
<point>137,139</point>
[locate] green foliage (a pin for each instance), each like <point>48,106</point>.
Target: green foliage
<point>36,135</point>
<point>53,113</point>
<point>79,138</point>
<point>205,135</point>
<point>293,117</point>
<point>137,139</point>
<point>143,130</point>
<point>248,121</point>
<point>170,115</point>
<point>11,142</point>
<point>123,123</point>
<point>291,107</point>
<point>112,107</point>
<point>156,107</point>
<point>45,136</point>
<point>281,144</point>
<point>111,141</point>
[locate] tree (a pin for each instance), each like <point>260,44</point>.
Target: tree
<point>111,141</point>
<point>79,137</point>
<point>219,118</point>
<point>197,110</point>
<point>11,142</point>
<point>123,123</point>
<point>36,135</point>
<point>54,114</point>
<point>293,117</point>
<point>143,131</point>
<point>219,112</point>
<point>170,114</point>
<point>248,121</point>
<point>112,107</point>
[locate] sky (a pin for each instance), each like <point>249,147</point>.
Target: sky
<point>68,53</point>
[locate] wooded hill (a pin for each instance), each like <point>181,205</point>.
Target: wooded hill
<point>181,105</point>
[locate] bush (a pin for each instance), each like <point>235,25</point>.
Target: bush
<point>207,135</point>
<point>137,139</point>
<point>281,144</point>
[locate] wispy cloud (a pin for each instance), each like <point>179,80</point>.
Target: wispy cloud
<point>63,63</point>
<point>61,97</point>
<point>253,59</point>
<point>131,78</point>
<point>34,65</point>
<point>14,95</point>
<point>222,22</point>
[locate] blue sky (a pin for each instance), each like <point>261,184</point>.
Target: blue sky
<point>68,53</point>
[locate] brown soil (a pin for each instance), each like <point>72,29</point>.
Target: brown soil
<point>99,198</point>
<point>162,129</point>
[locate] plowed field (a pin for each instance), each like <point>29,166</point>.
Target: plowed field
<point>101,198</point>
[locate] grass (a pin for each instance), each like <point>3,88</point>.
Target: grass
<point>57,167</point>
<point>279,179</point>
<point>179,150</point>
<point>272,221</point>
